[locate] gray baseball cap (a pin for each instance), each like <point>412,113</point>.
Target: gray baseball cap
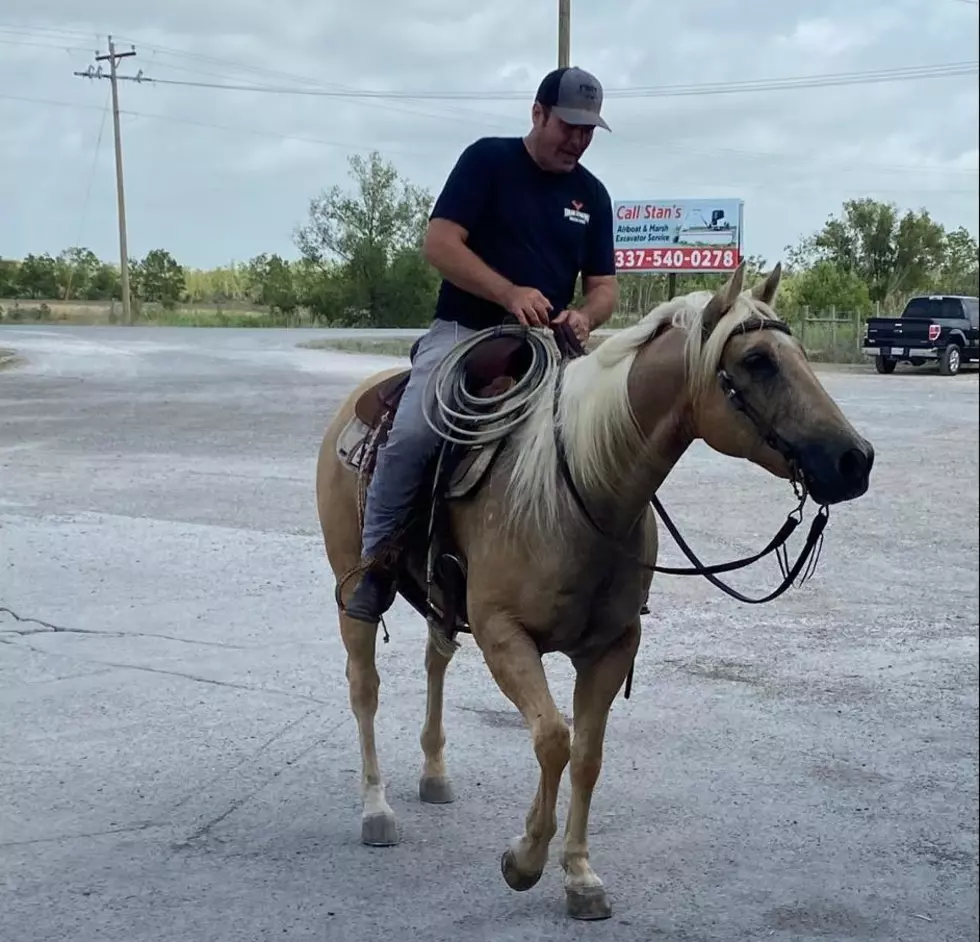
<point>573,95</point>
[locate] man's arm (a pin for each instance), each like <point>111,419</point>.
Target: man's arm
<point>600,288</point>
<point>600,297</point>
<point>463,200</point>
<point>599,284</point>
<point>446,250</point>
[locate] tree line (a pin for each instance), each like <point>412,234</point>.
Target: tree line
<point>359,263</point>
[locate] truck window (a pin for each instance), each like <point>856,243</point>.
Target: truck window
<point>972,306</point>
<point>934,308</point>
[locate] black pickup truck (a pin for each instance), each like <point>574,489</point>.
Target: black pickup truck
<point>943,327</point>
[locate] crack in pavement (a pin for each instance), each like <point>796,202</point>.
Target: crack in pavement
<point>48,628</point>
<point>251,757</point>
<point>202,831</point>
<point>306,698</point>
<point>142,826</point>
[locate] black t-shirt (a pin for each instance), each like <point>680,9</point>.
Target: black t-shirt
<point>537,229</point>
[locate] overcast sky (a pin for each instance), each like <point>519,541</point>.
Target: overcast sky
<point>216,175</point>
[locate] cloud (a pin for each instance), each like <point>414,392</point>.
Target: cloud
<point>215,175</point>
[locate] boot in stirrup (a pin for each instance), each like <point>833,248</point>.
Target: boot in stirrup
<point>374,595</point>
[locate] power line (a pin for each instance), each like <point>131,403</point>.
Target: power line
<point>88,192</point>
<point>343,91</point>
<point>679,148</point>
<point>442,113</point>
<point>50,101</point>
<point>57,46</point>
<point>356,96</point>
<point>855,77</point>
<point>371,97</point>
<point>824,80</point>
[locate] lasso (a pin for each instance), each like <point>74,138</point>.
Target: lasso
<point>460,417</point>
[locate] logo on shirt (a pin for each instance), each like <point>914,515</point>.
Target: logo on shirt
<point>576,213</point>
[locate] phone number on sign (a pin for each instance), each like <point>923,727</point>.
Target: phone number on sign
<point>680,258</point>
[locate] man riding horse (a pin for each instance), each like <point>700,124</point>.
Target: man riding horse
<point>518,220</point>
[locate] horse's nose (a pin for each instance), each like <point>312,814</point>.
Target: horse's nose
<point>836,474</point>
<point>854,465</point>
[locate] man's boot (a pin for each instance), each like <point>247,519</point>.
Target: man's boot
<point>373,596</point>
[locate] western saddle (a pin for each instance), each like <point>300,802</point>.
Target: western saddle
<point>490,367</point>
<point>431,575</point>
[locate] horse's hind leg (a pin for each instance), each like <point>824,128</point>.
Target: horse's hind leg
<point>516,666</point>
<point>596,685</point>
<point>435,786</point>
<point>378,826</point>
<point>337,508</point>
<point>339,523</point>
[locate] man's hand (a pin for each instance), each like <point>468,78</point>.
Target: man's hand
<point>529,306</point>
<point>579,322</point>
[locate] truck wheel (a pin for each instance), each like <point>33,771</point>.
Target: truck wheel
<point>885,364</point>
<point>950,360</point>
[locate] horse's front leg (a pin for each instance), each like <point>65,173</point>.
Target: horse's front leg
<point>596,684</point>
<point>516,666</point>
<point>435,786</point>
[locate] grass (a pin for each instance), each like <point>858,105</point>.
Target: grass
<point>197,317</point>
<point>102,313</point>
<point>827,341</point>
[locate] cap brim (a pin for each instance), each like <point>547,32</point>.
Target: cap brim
<point>580,116</point>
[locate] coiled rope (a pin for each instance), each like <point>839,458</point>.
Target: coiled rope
<point>460,417</point>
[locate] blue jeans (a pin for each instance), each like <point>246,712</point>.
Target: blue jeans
<point>410,444</point>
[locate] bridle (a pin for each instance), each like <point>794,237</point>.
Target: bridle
<point>805,563</point>
<point>738,402</point>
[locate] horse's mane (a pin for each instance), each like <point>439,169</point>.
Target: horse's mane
<point>597,425</point>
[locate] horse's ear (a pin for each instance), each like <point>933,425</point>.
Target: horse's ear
<point>723,299</point>
<point>766,291</point>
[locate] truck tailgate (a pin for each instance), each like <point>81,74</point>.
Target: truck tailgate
<point>899,331</point>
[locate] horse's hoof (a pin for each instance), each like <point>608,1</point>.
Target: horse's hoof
<point>379,830</point>
<point>587,902</point>
<point>436,790</point>
<point>516,879</point>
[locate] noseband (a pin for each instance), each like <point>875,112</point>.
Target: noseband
<point>739,402</point>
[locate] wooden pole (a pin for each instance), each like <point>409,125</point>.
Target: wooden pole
<point>564,32</point>
<point>113,58</point>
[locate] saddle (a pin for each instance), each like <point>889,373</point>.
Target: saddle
<point>431,576</point>
<point>488,370</point>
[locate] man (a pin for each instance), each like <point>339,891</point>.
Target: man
<point>516,223</point>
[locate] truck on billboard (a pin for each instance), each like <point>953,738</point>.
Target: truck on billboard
<point>686,235</point>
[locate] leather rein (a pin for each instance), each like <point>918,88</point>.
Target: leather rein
<point>810,553</point>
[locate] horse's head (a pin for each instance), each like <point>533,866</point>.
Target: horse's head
<point>756,397</point>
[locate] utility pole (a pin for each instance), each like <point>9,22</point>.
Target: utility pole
<point>564,32</point>
<point>113,57</point>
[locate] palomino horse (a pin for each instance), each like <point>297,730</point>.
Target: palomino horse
<point>542,576</point>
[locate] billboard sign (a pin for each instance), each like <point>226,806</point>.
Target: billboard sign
<point>688,235</point>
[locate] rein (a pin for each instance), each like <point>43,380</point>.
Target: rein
<point>809,554</point>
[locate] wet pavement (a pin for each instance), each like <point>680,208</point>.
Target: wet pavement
<point>177,756</point>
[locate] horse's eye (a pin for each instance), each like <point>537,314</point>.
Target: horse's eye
<point>760,364</point>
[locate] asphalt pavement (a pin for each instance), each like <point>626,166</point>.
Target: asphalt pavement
<point>178,760</point>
